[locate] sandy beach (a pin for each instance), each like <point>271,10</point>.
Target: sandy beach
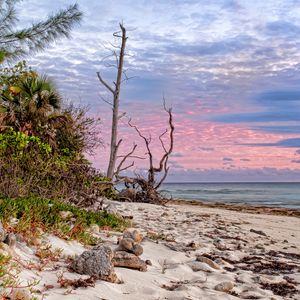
<point>195,253</point>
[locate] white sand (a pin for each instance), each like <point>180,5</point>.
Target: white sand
<point>206,227</point>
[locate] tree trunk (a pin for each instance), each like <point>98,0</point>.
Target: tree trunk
<point>114,144</point>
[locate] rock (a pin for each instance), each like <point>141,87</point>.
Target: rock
<point>20,294</point>
<point>133,234</point>
<point>208,261</point>
<point>200,266</point>
<point>259,232</point>
<point>193,245</point>
<point>125,244</point>
<point>65,214</point>
<point>129,245</point>
<point>137,250</point>
<point>96,262</point>
<point>128,260</point>
<point>148,262</point>
<point>225,286</point>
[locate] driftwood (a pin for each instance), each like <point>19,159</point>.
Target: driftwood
<point>140,189</point>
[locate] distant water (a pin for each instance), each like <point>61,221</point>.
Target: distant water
<point>263,194</point>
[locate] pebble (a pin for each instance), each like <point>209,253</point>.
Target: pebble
<point>208,261</point>
<point>225,286</point>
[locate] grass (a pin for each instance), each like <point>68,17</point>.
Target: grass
<point>35,213</point>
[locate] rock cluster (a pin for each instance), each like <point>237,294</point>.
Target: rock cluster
<point>128,251</point>
<point>101,260</point>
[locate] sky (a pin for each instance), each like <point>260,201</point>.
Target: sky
<point>230,70</point>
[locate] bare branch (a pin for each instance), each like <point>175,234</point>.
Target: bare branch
<point>105,83</point>
<point>125,157</point>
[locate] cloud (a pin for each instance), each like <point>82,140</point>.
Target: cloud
<point>297,161</point>
<point>227,159</point>
<point>285,143</point>
<point>282,28</point>
<point>297,151</point>
<point>245,159</point>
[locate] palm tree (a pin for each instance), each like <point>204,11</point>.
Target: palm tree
<point>28,105</point>
<point>15,43</point>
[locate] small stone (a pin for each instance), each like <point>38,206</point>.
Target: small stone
<point>225,286</point>
<point>20,294</point>
<point>125,244</point>
<point>133,234</point>
<point>259,232</point>
<point>148,262</point>
<point>208,261</point>
<point>192,245</point>
<point>137,250</point>
<point>197,266</point>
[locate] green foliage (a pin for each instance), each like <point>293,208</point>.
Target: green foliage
<point>19,42</point>
<point>34,212</point>
<point>29,166</point>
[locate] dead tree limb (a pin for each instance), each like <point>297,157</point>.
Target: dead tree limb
<point>148,187</point>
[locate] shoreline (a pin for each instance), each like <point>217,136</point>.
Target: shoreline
<point>246,208</point>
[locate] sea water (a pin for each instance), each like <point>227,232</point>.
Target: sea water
<point>264,194</point>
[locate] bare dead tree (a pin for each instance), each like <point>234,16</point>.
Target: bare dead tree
<point>115,91</point>
<point>148,187</point>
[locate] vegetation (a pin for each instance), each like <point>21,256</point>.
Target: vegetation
<point>35,213</point>
<point>15,42</point>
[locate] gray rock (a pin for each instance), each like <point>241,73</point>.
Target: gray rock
<point>225,286</point>
<point>96,262</point>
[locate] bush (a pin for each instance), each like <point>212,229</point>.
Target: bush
<point>29,166</point>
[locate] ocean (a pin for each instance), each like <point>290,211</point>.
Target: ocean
<point>258,194</point>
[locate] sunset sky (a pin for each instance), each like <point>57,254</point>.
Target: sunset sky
<point>230,69</point>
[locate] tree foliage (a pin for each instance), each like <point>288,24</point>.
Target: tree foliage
<point>15,43</point>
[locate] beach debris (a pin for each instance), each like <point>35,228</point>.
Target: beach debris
<point>97,263</point>
<point>208,261</point>
<point>128,260</point>
<point>225,286</point>
<point>259,232</point>
<point>282,288</point>
<point>76,283</point>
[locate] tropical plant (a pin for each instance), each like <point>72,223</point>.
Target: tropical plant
<point>27,101</point>
<point>16,43</point>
